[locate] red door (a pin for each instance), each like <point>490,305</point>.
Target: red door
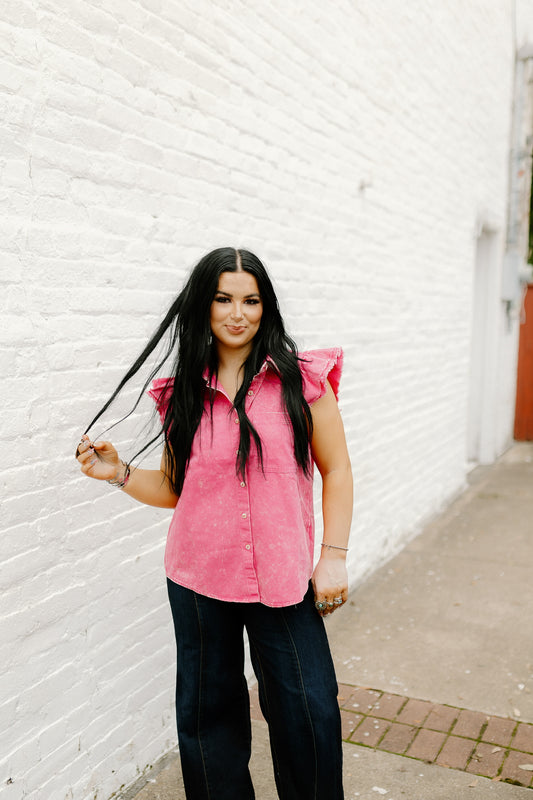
<point>523,423</point>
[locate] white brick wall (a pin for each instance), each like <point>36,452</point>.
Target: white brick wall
<point>353,148</point>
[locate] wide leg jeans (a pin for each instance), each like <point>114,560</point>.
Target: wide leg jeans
<point>297,692</point>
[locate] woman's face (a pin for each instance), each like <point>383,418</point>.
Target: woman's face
<point>236,311</point>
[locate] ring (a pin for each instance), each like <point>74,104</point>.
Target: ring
<point>338,601</point>
<point>319,605</point>
<point>330,605</point>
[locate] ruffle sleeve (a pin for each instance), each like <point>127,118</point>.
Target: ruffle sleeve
<point>160,391</point>
<point>318,367</point>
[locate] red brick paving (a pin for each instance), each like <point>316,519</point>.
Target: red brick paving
<point>499,731</point>
<point>414,712</point>
<point>427,745</point>
<point>511,769</point>
<point>441,718</point>
<point>469,724</point>
<point>523,739</point>
<point>486,760</point>
<point>389,705</point>
<point>455,753</point>
<point>369,732</point>
<point>349,723</point>
<point>398,738</point>
<point>362,700</point>
<point>472,741</point>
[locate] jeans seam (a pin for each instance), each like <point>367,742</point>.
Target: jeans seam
<point>265,691</point>
<point>200,694</point>
<point>302,685</point>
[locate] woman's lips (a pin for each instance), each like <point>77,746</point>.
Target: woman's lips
<point>235,328</point>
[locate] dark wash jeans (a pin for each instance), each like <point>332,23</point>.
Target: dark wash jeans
<point>297,691</point>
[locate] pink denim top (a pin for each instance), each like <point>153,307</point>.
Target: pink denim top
<point>248,540</point>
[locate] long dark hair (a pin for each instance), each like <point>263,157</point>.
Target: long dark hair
<point>190,346</point>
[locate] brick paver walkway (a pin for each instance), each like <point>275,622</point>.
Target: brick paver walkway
<point>493,747</point>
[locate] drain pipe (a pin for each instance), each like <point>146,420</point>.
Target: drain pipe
<point>516,272</point>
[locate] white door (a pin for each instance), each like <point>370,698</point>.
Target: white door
<point>481,439</point>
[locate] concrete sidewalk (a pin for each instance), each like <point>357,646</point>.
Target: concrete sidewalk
<point>434,659</point>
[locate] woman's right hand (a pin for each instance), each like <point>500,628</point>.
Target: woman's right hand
<point>98,460</point>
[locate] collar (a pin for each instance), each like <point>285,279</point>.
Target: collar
<point>268,362</point>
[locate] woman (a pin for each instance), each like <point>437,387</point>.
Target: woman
<point>243,418</point>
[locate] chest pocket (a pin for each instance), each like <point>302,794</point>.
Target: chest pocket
<point>277,440</point>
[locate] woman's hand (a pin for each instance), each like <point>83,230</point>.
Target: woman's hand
<point>330,583</point>
<point>151,486</point>
<point>98,460</point>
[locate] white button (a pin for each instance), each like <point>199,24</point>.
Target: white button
<point>243,484</point>
<point>244,515</point>
<point>236,420</point>
<point>247,546</point>
<point>250,393</point>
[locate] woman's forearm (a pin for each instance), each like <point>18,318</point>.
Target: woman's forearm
<point>100,460</point>
<point>150,486</point>
<point>337,505</point>
<point>330,577</point>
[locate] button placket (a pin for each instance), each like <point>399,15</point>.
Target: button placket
<point>254,387</point>
<point>245,516</point>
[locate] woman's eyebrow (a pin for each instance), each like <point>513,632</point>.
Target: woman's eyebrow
<point>246,296</point>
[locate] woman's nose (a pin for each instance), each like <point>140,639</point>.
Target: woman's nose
<point>236,311</point>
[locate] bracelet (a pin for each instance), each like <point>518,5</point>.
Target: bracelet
<point>333,547</point>
<point>120,483</point>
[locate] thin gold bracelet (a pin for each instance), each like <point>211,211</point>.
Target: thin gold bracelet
<point>333,546</point>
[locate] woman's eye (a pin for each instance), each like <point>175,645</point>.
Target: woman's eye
<point>221,299</point>
<point>252,301</point>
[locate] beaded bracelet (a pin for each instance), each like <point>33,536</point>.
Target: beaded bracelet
<point>333,547</point>
<point>120,483</point>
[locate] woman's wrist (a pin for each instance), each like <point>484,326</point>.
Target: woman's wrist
<point>121,476</point>
<point>336,551</point>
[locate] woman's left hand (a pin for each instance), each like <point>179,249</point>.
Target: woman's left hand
<point>330,583</point>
